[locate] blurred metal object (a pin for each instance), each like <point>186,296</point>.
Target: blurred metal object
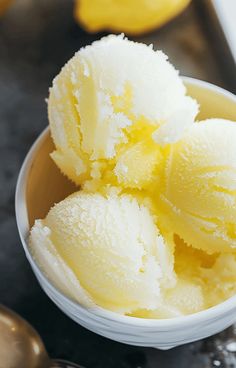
<point>225,11</point>
<point>219,17</point>
<point>21,346</point>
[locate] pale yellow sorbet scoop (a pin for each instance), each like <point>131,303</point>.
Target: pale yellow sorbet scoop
<point>198,195</point>
<point>110,108</point>
<point>104,250</point>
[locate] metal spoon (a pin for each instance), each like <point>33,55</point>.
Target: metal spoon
<point>21,346</point>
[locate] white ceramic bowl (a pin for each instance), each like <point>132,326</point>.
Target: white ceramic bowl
<point>40,185</point>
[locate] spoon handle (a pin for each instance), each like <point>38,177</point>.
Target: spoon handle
<point>57,363</point>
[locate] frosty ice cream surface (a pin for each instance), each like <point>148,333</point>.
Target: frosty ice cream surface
<point>151,231</point>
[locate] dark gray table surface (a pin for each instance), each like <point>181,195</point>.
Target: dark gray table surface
<point>36,38</point>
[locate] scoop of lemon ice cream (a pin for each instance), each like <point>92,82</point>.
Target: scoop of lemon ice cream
<point>107,249</point>
<point>112,105</point>
<point>198,193</point>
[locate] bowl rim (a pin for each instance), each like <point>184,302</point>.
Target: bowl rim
<point>97,312</point>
